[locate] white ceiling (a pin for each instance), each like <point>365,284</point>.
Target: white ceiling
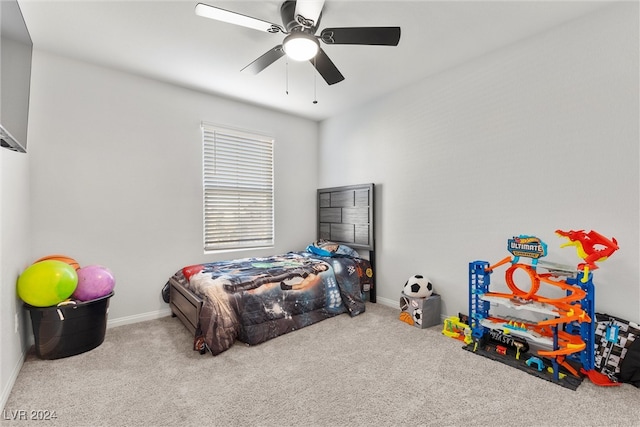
<point>165,40</point>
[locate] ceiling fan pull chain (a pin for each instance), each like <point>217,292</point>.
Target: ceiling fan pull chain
<point>315,94</point>
<point>287,77</point>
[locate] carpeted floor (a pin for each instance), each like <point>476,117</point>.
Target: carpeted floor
<point>369,370</point>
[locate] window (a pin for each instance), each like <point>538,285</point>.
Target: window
<point>237,189</point>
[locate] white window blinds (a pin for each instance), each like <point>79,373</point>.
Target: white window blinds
<point>238,189</point>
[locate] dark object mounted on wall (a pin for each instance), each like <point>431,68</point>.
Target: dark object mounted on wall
<point>15,76</point>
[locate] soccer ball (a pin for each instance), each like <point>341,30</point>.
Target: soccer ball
<point>418,286</point>
<point>417,316</point>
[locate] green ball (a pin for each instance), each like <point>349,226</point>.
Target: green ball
<point>47,283</point>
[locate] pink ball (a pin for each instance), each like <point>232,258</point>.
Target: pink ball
<point>94,281</point>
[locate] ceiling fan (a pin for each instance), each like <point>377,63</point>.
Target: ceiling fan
<point>300,22</point>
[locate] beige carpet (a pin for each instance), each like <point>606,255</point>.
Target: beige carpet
<point>369,370</point>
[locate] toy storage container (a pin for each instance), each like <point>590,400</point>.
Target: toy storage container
<point>425,312</point>
<point>67,330</point>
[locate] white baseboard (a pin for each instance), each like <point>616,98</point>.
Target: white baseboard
<point>388,302</point>
<point>6,391</point>
<point>120,321</point>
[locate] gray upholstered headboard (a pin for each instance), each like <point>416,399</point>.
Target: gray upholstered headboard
<point>346,215</point>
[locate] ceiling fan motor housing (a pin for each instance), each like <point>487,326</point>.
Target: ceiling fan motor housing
<point>288,12</point>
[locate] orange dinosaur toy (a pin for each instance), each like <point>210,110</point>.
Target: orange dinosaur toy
<point>592,247</point>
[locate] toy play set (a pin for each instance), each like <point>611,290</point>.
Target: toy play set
<point>561,346</point>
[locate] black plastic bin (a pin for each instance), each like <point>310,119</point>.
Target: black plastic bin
<point>67,330</point>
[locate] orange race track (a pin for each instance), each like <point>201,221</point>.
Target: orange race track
<point>566,311</point>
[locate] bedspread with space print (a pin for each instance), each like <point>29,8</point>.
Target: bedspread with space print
<point>257,299</point>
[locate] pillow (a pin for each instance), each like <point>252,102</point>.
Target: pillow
<point>330,249</point>
<point>190,270</point>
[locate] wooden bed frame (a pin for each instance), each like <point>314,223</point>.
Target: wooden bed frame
<point>345,215</point>
<point>185,305</point>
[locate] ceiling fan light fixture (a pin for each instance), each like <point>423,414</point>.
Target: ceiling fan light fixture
<point>300,46</point>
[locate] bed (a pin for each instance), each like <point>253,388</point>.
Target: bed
<point>253,300</point>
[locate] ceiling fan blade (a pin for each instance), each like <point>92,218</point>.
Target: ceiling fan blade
<point>326,68</point>
<point>218,14</point>
<point>379,36</point>
<point>308,12</point>
<point>265,60</point>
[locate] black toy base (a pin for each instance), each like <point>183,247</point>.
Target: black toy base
<point>568,380</point>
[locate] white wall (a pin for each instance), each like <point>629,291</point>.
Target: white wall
<point>14,253</point>
<point>539,136</point>
<point>116,175</point>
